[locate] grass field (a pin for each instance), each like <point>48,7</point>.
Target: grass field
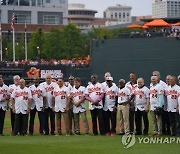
<point>76,144</point>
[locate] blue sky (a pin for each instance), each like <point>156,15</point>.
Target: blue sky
<point>140,7</point>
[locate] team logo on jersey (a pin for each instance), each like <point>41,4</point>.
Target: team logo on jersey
<point>3,91</point>
<point>91,90</point>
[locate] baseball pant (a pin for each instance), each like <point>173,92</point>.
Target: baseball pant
<point>58,122</point>
<point>178,128</point>
<point>110,117</point>
<point>21,124</point>
<point>123,112</point>
<point>157,123</point>
<point>138,121</point>
<point>2,117</point>
<point>173,118</point>
<point>165,123</point>
<point>31,121</point>
<point>41,122</point>
<point>71,119</point>
<point>12,119</point>
<point>76,122</point>
<point>48,112</point>
<point>131,119</point>
<point>97,114</point>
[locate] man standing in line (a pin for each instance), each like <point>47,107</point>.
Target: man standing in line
<point>38,95</point>
<point>172,103</point>
<point>131,85</point>
<point>13,87</point>
<point>156,104</point>
<point>141,101</point>
<point>70,111</point>
<point>60,103</point>
<point>109,108</point>
<point>49,87</point>
<point>94,94</point>
<point>123,107</point>
<point>79,107</point>
<point>4,97</point>
<point>21,105</point>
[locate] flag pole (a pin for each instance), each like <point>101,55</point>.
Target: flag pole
<point>14,52</point>
<point>12,26</point>
<point>25,43</point>
<point>1,41</point>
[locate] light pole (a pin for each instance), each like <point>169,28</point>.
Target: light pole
<point>38,52</point>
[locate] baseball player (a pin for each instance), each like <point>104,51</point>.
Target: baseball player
<point>131,85</point>
<point>107,74</point>
<point>79,107</point>
<point>21,105</point>
<point>178,111</point>
<point>141,101</point>
<point>156,104</point>
<point>124,95</point>
<point>49,87</point>
<point>178,79</point>
<point>110,107</point>
<point>94,94</point>
<point>4,97</point>
<point>165,116</point>
<point>172,103</point>
<point>70,111</point>
<point>38,95</point>
<point>162,83</point>
<point>13,87</point>
<point>60,105</point>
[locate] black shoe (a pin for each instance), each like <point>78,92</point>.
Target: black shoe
<point>53,133</point>
<point>46,133</point>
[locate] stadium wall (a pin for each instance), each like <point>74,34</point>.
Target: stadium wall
<point>140,55</point>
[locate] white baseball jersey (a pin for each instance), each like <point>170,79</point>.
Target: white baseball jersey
<point>12,87</point>
<point>76,95</point>
<point>49,92</point>
<point>123,95</point>
<point>21,97</point>
<point>131,87</point>
<point>179,101</point>
<point>61,95</point>
<point>110,97</point>
<point>37,94</point>
<point>4,92</point>
<point>172,98</point>
<point>165,97</point>
<point>94,91</point>
<point>155,91</point>
<point>140,100</point>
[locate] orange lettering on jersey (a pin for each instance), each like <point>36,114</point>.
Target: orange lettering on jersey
<point>153,91</point>
<point>110,92</point>
<point>3,91</point>
<point>171,92</point>
<point>139,92</point>
<point>121,94</point>
<point>77,93</point>
<point>19,94</point>
<point>95,89</point>
<point>49,89</point>
<point>57,93</point>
